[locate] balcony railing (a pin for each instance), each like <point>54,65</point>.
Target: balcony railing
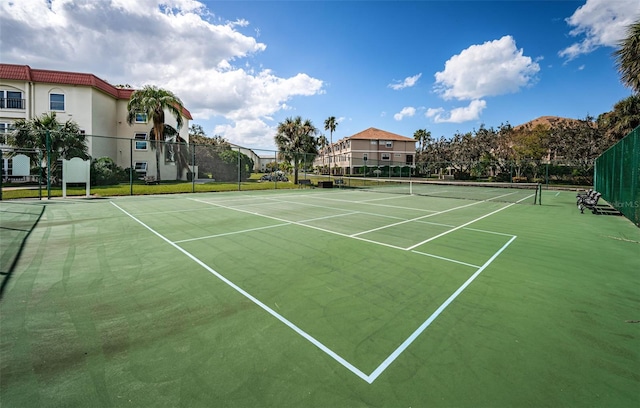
<point>11,103</point>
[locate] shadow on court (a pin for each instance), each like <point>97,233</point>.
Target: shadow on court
<point>16,223</point>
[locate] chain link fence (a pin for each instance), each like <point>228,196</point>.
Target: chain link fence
<point>125,166</point>
<point>617,176</point>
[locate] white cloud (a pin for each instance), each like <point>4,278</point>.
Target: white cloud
<point>458,115</point>
<point>176,44</point>
<point>600,23</point>
<point>490,69</point>
<point>245,132</point>
<point>431,112</point>
<point>407,83</point>
<point>407,111</point>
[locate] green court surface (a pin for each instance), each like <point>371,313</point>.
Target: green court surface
<point>317,298</point>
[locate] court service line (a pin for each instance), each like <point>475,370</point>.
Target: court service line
<point>299,223</point>
<point>269,216</point>
<point>396,353</point>
<point>330,216</point>
<point>413,219</point>
<point>458,227</point>
<point>465,224</point>
<point>377,205</point>
<point>446,259</point>
<point>224,234</point>
<point>324,207</point>
<point>266,308</point>
<point>489,232</point>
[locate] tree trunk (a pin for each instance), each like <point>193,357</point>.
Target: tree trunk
<point>157,160</point>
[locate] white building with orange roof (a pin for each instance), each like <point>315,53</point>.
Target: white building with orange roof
<point>99,108</point>
<point>370,152</point>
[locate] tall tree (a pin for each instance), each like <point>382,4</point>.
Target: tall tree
<point>322,143</point>
<point>152,102</point>
<point>423,137</point>
<point>628,58</point>
<point>624,117</point>
<point>65,140</point>
<point>330,124</point>
<point>296,141</point>
<point>214,157</point>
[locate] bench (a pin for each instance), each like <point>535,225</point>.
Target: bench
<point>588,200</point>
<point>305,182</point>
<point>150,180</point>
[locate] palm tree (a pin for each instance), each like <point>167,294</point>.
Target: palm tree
<point>423,137</point>
<point>152,102</point>
<point>322,143</point>
<point>330,124</point>
<point>177,149</point>
<point>628,58</point>
<point>624,117</point>
<point>295,140</point>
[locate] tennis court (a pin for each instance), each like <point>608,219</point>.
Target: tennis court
<point>319,297</point>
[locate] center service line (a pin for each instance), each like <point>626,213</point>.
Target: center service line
<point>295,328</point>
<point>383,366</point>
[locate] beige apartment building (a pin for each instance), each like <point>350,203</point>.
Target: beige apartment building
<point>372,152</point>
<point>99,108</point>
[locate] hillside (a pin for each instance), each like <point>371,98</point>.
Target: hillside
<point>547,121</point>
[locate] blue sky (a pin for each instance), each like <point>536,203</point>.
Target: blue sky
<point>241,67</point>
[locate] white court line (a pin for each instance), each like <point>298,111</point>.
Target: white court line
<point>376,373</point>
<point>329,216</point>
<point>446,259</point>
<point>465,224</point>
<point>298,223</point>
<point>224,234</point>
<point>377,205</point>
<point>339,209</point>
<point>269,216</point>
<point>458,227</point>
<point>395,197</point>
<point>387,362</point>
<point>489,232</point>
<point>176,211</point>
<point>272,312</point>
<point>413,219</point>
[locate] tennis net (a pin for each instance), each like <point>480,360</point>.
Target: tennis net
<point>521,193</point>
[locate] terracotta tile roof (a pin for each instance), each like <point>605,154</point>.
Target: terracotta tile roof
<point>26,73</point>
<point>377,134</point>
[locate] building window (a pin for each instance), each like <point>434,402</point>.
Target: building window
<point>374,142</point>
<point>11,100</point>
<point>386,156</point>
<point>5,128</point>
<point>141,118</point>
<point>141,141</point>
<point>140,168</point>
<point>56,102</point>
<point>409,159</point>
<point>389,144</point>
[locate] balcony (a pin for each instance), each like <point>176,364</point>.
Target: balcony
<point>11,103</point>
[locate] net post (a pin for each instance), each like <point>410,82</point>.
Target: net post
<point>539,193</point>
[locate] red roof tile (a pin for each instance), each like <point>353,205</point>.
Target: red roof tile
<point>26,73</point>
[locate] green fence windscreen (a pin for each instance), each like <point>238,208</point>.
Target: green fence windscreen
<point>617,176</point>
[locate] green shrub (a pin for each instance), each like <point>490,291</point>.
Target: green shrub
<point>104,172</point>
